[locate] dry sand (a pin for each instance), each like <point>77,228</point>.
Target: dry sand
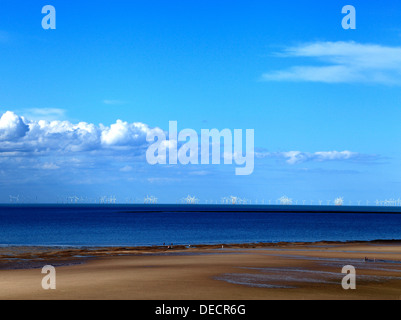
<point>237,272</point>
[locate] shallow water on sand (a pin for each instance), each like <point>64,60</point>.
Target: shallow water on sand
<point>290,278</point>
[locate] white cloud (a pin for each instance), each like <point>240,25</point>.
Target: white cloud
<point>20,136</point>
<point>342,62</point>
<point>296,157</point>
<point>126,169</point>
<point>49,166</point>
<point>48,114</point>
<point>159,180</point>
<point>123,133</point>
<point>12,127</point>
<point>335,155</point>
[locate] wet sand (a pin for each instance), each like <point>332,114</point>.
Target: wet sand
<point>234,272</point>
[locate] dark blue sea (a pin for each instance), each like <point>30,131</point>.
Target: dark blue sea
<point>140,225</point>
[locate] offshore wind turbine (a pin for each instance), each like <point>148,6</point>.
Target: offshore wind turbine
<point>284,200</point>
<point>234,200</point>
<point>191,200</point>
<point>150,200</point>
<point>14,198</point>
<point>147,200</point>
<point>339,201</point>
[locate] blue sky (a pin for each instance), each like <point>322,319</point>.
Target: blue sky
<point>323,101</point>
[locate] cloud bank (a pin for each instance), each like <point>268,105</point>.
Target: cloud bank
<point>341,62</point>
<point>21,136</point>
<point>51,145</point>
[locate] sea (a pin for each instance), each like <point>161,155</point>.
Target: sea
<point>154,225</point>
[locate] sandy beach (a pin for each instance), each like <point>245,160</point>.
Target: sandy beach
<point>228,272</point>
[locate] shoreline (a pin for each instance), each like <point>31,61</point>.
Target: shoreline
<point>32,257</point>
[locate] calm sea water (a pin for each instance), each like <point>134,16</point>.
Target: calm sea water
<point>126,226</point>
